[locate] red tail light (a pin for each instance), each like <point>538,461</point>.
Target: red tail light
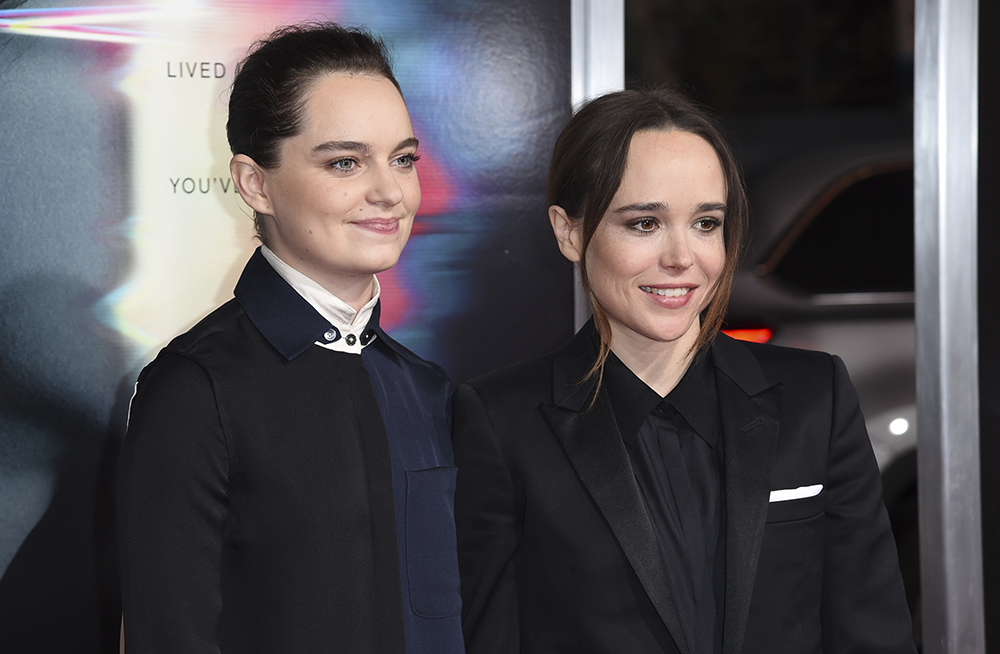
<point>754,334</point>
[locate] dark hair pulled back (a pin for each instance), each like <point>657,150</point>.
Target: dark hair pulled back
<point>268,95</point>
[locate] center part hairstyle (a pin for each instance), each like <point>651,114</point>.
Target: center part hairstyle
<point>588,164</point>
<point>269,89</point>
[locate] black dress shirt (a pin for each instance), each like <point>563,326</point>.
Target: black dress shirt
<point>676,454</point>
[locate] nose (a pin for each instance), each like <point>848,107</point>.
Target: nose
<point>677,252</point>
<point>384,188</point>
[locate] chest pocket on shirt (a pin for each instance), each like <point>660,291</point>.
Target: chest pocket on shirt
<point>431,549</point>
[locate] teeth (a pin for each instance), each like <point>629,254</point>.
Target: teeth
<point>666,292</point>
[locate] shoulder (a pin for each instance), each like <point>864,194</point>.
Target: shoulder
<point>227,344</point>
<point>223,340</point>
<point>814,384</point>
<point>778,363</point>
<point>219,325</point>
<point>391,356</point>
<point>185,350</point>
<point>410,358</point>
<point>522,372</point>
<point>529,380</point>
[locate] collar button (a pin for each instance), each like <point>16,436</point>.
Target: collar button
<point>331,335</point>
<point>351,339</point>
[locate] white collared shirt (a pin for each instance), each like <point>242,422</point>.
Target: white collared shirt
<point>347,323</point>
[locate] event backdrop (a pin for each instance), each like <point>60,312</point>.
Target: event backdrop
<point>120,227</point>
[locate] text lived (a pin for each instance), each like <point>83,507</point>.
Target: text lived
<point>203,69</point>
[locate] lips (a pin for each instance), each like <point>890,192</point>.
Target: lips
<point>386,226</point>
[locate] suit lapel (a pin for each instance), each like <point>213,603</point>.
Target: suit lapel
<point>749,410</point>
<point>749,407</point>
<point>589,436</point>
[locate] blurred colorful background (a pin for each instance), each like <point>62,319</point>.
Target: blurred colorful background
<point>120,228</point>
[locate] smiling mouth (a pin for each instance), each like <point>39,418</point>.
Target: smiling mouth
<point>379,225</point>
<point>666,292</point>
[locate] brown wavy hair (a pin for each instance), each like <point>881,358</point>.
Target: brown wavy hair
<point>588,164</point>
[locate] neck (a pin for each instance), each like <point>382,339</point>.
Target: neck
<point>353,290</point>
<point>659,365</point>
<point>355,293</point>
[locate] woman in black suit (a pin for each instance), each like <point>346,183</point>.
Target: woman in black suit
<point>655,486</point>
<point>286,482</point>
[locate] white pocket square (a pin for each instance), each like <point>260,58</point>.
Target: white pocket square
<point>799,493</point>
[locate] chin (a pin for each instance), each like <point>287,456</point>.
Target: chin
<point>673,333</point>
<point>384,264</point>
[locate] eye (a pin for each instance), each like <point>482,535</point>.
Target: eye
<point>407,160</point>
<point>645,225</point>
<point>707,224</point>
<point>344,165</point>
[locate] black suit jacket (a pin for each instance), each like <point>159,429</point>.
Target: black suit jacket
<point>557,553</point>
<point>261,507</point>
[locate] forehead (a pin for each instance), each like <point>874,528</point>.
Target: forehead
<point>672,163</point>
<point>340,105</point>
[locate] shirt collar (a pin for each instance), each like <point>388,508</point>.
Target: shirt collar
<point>284,317</point>
<point>694,397</point>
<point>349,331</point>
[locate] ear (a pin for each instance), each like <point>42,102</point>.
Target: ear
<point>249,180</point>
<point>569,233</point>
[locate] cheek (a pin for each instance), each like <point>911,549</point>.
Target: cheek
<point>304,200</point>
<point>713,260</point>
<point>411,193</point>
<point>609,262</point>
<point>405,228</point>
<point>712,266</point>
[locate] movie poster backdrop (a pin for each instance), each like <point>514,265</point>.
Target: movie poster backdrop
<point>120,228</point>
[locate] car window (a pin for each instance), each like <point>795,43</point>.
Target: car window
<point>856,238</point>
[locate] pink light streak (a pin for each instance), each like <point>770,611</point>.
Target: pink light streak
<point>81,23</point>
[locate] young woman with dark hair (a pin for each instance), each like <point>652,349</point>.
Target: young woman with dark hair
<point>655,486</point>
<point>286,482</point>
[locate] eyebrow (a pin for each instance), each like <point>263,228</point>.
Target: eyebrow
<point>358,146</point>
<point>642,206</point>
<point>638,207</point>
